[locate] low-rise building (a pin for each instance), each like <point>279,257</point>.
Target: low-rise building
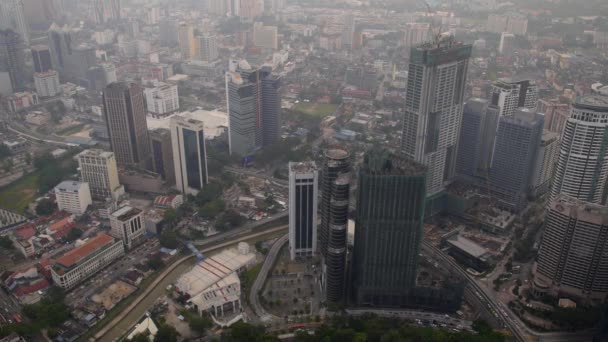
<point>168,201</point>
<point>23,100</point>
<point>82,262</point>
<point>213,285</point>
<point>128,225</point>
<point>467,251</point>
<point>73,197</point>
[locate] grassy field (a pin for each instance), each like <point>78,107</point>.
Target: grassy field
<point>18,195</point>
<point>315,109</point>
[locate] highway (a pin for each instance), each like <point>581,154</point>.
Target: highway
<point>261,279</point>
<point>249,227</point>
<point>127,318</point>
<point>251,173</point>
<point>508,319</point>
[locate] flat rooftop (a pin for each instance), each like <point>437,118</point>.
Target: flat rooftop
<point>596,102</point>
<point>74,256</point>
<point>302,167</point>
<point>68,186</point>
<point>125,213</point>
<point>467,246</point>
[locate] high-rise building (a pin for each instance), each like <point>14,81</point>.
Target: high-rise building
<point>60,42</point>
<point>303,195</point>
<point>335,196</point>
<point>161,98</point>
<point>73,197</point>
<point>217,7</point>
<point>415,34</point>
<point>573,255</point>
<point>106,10</point>
<point>507,43</point>
<point>12,59</point>
<point>41,13</point>
<point>388,230</point>
<point>169,31</point>
<point>249,9</point>
<point>477,135</point>
<point>162,154</point>
<point>265,36</point>
<point>514,158</point>
<point>189,154</point>
<point>582,166</point>
<point>41,56</point>
<point>12,16</point>
<point>348,30</point>
<point>556,114</point>
<point>47,83</point>
<point>544,166</point>
<point>125,115</point>
<point>128,225</point>
<point>187,43</point>
<point>99,76</point>
<point>433,108</point>
<point>207,48</point>
<point>254,105</point>
<point>98,169</point>
<point>510,94</point>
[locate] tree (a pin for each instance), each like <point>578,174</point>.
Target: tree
<point>168,239</point>
<point>8,164</point>
<point>209,193</point>
<point>6,243</point>
<point>155,263</point>
<point>166,333</point>
<point>212,209</point>
<point>73,234</point>
<point>4,151</point>
<point>199,324</point>
<point>45,207</point>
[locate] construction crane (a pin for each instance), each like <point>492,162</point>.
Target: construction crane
<point>434,32</point>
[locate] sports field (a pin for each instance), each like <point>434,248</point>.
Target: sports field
<point>315,109</point>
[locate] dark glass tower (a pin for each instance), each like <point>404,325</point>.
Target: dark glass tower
<point>390,213</point>
<point>271,106</point>
<point>125,116</point>
<point>12,59</point>
<point>334,220</point>
<point>162,154</point>
<point>41,56</point>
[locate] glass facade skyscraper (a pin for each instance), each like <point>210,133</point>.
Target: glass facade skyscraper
<point>388,231</point>
<point>189,154</point>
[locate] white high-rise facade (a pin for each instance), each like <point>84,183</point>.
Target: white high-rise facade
<point>12,16</point>
<point>189,154</point>
<point>303,196</point>
<point>508,95</point>
<point>128,225</point>
<point>207,48</point>
<point>73,197</point>
<point>582,166</point>
<point>98,168</point>
<point>47,83</point>
<point>433,109</point>
<point>162,99</point>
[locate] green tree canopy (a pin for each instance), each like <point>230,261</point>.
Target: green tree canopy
<point>45,207</point>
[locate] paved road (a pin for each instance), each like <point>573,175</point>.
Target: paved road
<point>242,230</point>
<point>261,279</point>
<point>415,315</point>
<point>259,174</point>
<point>123,322</point>
<point>40,138</point>
<point>520,330</point>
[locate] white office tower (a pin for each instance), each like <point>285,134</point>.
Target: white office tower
<point>207,48</point>
<point>98,169</point>
<point>73,197</point>
<point>47,83</point>
<point>303,195</point>
<point>508,95</point>
<point>12,16</point>
<point>189,154</point>
<point>433,108</point>
<point>128,225</point>
<point>161,98</point>
<point>582,165</point>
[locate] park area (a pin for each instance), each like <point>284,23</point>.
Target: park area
<point>19,194</point>
<point>319,110</point>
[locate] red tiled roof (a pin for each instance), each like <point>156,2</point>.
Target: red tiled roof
<point>26,231</point>
<point>75,255</point>
<point>59,225</point>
